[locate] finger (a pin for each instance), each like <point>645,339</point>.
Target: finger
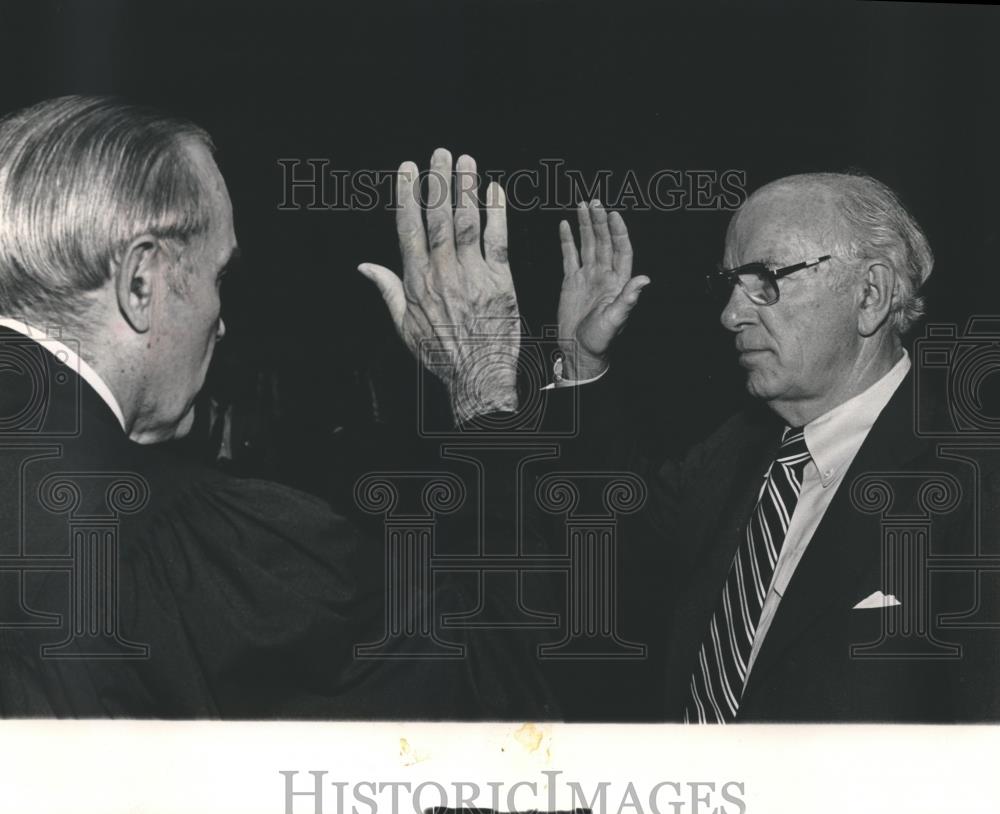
<point>621,307</point>
<point>622,259</point>
<point>409,224</point>
<point>602,237</point>
<point>467,211</point>
<point>391,289</point>
<point>495,234</point>
<point>440,219</point>
<point>586,234</point>
<point>571,261</point>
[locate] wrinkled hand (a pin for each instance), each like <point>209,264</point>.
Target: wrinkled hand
<point>597,293</point>
<point>454,296</point>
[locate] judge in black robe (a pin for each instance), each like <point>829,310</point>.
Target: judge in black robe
<point>209,595</point>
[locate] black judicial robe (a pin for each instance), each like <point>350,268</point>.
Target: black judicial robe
<point>232,598</point>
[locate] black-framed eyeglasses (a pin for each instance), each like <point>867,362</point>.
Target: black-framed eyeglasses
<point>758,281</point>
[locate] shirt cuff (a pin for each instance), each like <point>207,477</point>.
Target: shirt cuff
<point>561,382</point>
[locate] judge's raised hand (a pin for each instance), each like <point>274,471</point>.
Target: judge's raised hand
<point>598,290</point>
<point>455,301</point>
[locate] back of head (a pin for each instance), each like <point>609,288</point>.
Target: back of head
<point>80,177</point>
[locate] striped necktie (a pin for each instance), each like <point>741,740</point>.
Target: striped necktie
<point>717,681</point>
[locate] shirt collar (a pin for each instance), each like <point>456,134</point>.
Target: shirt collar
<point>836,436</point>
<point>71,359</point>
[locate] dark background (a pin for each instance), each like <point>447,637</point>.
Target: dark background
<point>906,92</point>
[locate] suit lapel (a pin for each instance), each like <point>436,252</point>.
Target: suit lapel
<point>734,492</point>
<point>847,543</point>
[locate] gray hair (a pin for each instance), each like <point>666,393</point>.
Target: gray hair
<point>80,178</point>
<point>878,227</point>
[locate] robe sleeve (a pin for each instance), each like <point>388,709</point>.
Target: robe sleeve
<point>251,598</point>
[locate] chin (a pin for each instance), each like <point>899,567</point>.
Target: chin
<point>761,386</point>
<point>185,424</point>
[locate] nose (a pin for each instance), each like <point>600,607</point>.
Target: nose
<point>221,330</point>
<point>739,312</point>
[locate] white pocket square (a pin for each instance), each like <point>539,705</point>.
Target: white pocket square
<point>877,600</point>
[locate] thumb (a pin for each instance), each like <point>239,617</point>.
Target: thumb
<point>390,287</point>
<point>623,304</point>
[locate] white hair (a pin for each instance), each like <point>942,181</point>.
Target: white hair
<point>876,226</point>
<point>80,178</point>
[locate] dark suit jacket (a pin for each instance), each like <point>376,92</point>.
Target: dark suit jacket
<point>806,670</point>
<point>233,598</point>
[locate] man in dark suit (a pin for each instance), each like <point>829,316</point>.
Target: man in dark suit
<point>802,568</point>
<point>818,559</point>
<point>803,535</point>
<point>133,583</point>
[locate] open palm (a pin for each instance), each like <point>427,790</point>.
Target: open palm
<point>456,299</point>
<point>598,290</point>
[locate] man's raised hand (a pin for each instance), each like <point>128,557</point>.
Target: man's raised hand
<point>455,295</point>
<point>598,290</point>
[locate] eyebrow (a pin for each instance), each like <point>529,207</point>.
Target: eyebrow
<point>768,261</point>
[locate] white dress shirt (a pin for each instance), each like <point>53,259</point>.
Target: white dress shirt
<point>71,359</point>
<point>833,440</point>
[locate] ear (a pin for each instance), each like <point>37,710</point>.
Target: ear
<point>876,298</point>
<point>143,266</point>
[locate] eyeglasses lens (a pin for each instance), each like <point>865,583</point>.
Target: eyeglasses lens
<point>754,279</point>
<point>759,285</point>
